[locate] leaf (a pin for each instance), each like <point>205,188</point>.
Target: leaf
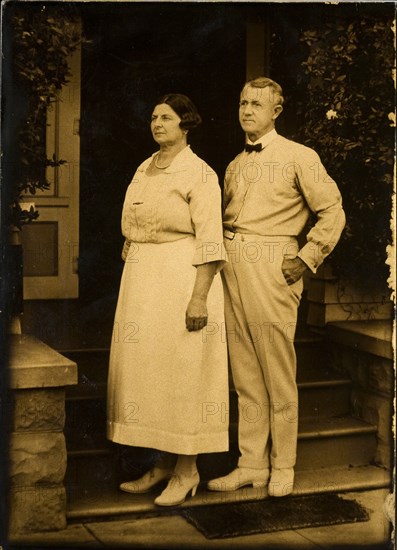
<point>352,65</point>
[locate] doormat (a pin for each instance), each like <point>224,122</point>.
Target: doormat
<point>274,514</point>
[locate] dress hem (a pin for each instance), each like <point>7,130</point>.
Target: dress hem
<point>172,443</point>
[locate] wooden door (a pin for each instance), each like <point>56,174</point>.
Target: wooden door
<point>51,243</point>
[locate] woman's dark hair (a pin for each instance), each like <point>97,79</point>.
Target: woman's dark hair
<point>184,108</point>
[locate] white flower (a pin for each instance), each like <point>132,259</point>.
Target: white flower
<point>331,114</point>
<point>391,262</point>
<point>392,118</point>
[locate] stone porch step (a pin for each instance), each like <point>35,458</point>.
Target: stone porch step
<point>335,442</point>
<point>322,443</point>
<point>320,381</point>
<point>322,392</point>
<point>93,363</point>
<point>328,436</point>
<point>373,337</point>
<point>327,397</point>
<point>110,503</point>
<point>86,409</point>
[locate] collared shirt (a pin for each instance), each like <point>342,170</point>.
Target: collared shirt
<point>272,192</point>
<point>264,140</point>
<point>184,199</point>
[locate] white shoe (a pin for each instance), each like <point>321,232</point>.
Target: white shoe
<point>147,481</point>
<point>178,489</point>
<point>281,482</point>
<point>239,478</point>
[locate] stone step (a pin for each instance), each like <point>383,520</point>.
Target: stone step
<point>101,502</point>
<point>86,402</point>
<point>86,409</point>
<point>337,441</point>
<point>324,398</point>
<point>311,358</point>
<point>320,398</point>
<point>93,364</point>
<point>322,443</point>
<point>310,380</point>
<point>327,435</point>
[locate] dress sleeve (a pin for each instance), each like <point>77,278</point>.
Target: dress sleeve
<point>206,214</point>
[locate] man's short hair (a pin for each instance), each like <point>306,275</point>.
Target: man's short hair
<point>274,88</point>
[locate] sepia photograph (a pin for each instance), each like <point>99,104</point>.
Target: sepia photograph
<point>197,274</point>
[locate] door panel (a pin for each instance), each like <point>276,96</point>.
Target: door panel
<point>51,244</point>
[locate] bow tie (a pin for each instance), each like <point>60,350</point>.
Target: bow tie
<point>250,148</point>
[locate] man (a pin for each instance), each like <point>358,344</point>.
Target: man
<point>270,190</point>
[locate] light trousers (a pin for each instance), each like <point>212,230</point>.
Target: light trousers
<point>261,314</point>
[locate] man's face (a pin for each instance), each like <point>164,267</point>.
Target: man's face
<point>258,111</point>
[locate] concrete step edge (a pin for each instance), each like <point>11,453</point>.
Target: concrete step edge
<point>84,453</point>
<point>309,429</point>
<point>315,384</point>
<point>334,427</point>
<point>300,340</point>
<point>110,503</point>
<point>83,351</point>
<point>101,387</point>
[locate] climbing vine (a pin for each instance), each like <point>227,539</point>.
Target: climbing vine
<point>349,118</point>
<point>43,38</point>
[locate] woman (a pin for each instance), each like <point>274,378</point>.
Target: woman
<point>168,387</point>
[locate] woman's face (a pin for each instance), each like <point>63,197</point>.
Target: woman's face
<point>165,126</point>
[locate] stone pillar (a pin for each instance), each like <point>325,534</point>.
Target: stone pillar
<point>37,457</point>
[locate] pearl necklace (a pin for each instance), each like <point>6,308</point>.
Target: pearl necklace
<point>160,167</point>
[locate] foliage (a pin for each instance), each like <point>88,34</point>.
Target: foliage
<point>42,42</point>
<point>349,119</point>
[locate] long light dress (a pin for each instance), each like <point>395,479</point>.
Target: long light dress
<point>168,387</point>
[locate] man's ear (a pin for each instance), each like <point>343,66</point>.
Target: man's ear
<point>277,111</point>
